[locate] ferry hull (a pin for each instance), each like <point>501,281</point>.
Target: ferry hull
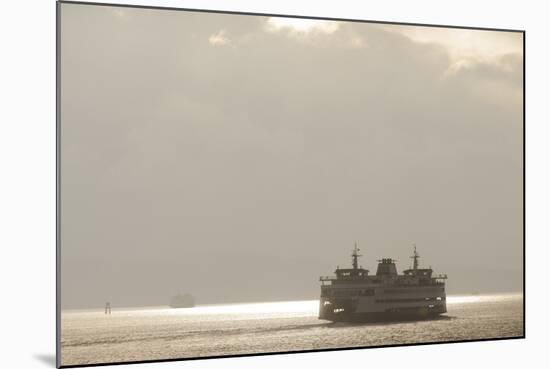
<point>420,314</point>
<point>343,310</point>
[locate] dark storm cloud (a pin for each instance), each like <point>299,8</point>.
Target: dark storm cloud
<point>238,160</point>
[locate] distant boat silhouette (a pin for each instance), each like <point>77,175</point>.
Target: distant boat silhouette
<point>182,301</point>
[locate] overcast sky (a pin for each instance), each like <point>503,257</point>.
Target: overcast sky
<point>239,158</point>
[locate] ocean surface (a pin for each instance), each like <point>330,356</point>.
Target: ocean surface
<point>156,333</point>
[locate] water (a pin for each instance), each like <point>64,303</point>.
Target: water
<point>164,333</point>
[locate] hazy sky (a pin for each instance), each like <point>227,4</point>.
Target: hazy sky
<point>238,158</point>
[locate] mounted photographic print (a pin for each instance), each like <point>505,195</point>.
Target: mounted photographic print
<point>241,184</point>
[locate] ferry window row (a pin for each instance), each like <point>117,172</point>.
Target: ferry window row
<point>347,292</point>
<point>439,298</point>
<point>413,290</point>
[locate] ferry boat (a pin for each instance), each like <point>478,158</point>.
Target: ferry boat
<point>354,295</point>
<point>182,301</point>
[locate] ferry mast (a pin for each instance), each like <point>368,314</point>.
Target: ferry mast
<point>354,257</point>
<point>415,257</point>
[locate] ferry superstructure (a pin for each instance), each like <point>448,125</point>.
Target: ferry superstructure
<point>354,295</point>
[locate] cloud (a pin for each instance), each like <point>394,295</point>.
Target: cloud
<point>464,45</point>
<point>499,80</point>
<point>298,25</point>
<point>357,42</point>
<point>219,39</point>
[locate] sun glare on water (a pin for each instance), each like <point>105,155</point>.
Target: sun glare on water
<point>283,307</point>
<point>465,299</point>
